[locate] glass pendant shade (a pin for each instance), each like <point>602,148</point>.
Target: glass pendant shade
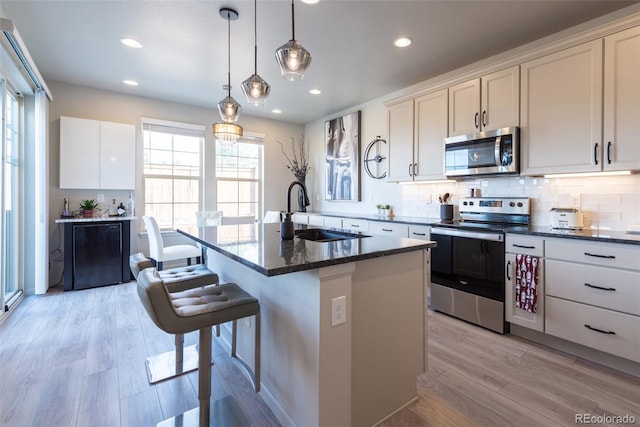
<point>229,109</point>
<point>293,60</point>
<point>256,90</point>
<point>227,133</point>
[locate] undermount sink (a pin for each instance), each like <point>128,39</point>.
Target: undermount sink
<point>321,235</point>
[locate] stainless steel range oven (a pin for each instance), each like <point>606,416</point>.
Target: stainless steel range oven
<point>467,266</point>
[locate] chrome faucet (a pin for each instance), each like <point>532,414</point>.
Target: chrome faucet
<point>286,226</point>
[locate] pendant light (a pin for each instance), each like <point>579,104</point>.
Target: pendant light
<point>228,131</point>
<point>292,58</point>
<point>255,88</point>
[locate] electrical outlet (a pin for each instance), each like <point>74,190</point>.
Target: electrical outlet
<point>338,310</point>
<point>100,198</point>
<point>575,200</point>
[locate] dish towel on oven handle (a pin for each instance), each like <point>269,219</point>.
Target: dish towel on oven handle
<point>527,282</point>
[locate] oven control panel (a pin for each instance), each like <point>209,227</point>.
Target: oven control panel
<point>502,205</point>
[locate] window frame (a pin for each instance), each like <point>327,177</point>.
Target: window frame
<point>179,128</point>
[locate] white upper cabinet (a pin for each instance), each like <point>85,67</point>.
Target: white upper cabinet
<point>417,129</point>
<point>562,111</point>
<point>487,103</point>
<point>79,153</point>
<point>430,131</point>
<point>622,101</point>
<point>96,155</point>
<point>401,141</point>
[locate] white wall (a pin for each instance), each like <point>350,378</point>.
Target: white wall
<point>78,101</point>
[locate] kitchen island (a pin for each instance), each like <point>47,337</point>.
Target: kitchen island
<point>362,369</point>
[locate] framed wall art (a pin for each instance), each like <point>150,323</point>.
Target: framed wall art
<point>342,160</point>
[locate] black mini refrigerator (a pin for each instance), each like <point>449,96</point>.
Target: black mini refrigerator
<point>97,255</point>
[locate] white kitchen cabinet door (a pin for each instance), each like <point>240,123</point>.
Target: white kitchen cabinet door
<point>500,99</point>
<point>561,111</point>
<point>400,141</point>
<point>79,153</point>
<point>464,102</point>
<point>622,100</point>
<point>117,156</point>
<point>430,131</point>
<point>388,229</point>
<point>332,222</point>
<point>356,225</point>
<point>421,232</point>
<point>516,315</point>
<point>317,220</point>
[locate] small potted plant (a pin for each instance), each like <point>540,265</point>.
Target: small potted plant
<point>380,209</point>
<point>87,207</point>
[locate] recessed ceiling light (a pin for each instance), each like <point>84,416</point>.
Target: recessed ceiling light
<point>315,91</point>
<point>131,43</point>
<point>310,1</point>
<point>402,42</point>
<point>276,111</point>
<point>130,82</point>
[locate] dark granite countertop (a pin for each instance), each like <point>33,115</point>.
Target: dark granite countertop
<point>96,219</point>
<point>598,235</point>
<point>259,247</point>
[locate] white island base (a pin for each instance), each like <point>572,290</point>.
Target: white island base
<point>354,374</point>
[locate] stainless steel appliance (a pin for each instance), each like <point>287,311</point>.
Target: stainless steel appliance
<point>467,266</point>
<point>494,152</point>
<point>567,218</point>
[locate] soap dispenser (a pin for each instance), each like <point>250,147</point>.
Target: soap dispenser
<point>286,227</point>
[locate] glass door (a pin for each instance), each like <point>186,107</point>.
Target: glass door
<point>10,196</point>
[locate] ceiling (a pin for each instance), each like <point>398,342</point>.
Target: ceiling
<point>184,58</point>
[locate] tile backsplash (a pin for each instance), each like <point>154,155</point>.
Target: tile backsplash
<point>611,202</point>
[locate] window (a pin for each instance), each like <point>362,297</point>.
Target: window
<point>239,172</point>
<point>172,173</point>
<point>239,181</point>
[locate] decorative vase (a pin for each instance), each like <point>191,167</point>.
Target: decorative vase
<point>301,205</point>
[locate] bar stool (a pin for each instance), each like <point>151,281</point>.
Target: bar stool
<point>199,309</point>
<point>182,359</point>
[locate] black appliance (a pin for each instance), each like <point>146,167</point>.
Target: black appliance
<point>467,265</point>
<point>97,255</point>
<point>495,152</point>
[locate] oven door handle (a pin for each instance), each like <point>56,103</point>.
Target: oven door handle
<point>494,237</point>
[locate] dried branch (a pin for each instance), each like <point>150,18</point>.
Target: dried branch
<point>299,165</point>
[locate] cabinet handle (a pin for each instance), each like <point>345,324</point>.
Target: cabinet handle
<point>600,256</point>
<point>508,270</point>
<point>595,153</point>
<point>609,152</point>
<point>410,167</point>
<point>418,234</point>
<point>599,287</point>
<point>599,330</point>
<point>387,229</point>
<point>484,118</point>
<point>475,120</point>
<point>415,169</point>
<point>515,245</point>
<point>355,225</point>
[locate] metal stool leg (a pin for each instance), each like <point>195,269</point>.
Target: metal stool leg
<point>173,363</point>
<point>204,376</point>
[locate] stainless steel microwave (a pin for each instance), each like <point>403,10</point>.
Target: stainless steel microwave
<point>495,152</point>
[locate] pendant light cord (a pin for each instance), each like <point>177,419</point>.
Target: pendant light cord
<point>229,53</point>
<point>255,35</point>
<point>293,23</point>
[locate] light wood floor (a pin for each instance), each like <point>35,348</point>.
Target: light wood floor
<point>77,359</point>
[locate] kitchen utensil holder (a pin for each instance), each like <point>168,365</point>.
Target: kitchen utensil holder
<point>446,212</point>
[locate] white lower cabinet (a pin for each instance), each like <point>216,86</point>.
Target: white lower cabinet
<point>356,225</point>
<point>528,246</point>
<point>300,218</point>
<point>593,295</point>
<point>388,229</point>
<point>421,232</point>
<point>317,220</point>
<point>602,329</point>
<point>332,222</point>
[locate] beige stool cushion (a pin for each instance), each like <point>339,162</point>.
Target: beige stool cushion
<point>187,311</point>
